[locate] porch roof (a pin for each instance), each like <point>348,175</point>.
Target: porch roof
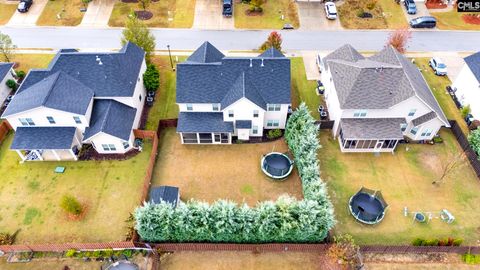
<point>372,128</point>
<point>43,138</point>
<point>194,122</point>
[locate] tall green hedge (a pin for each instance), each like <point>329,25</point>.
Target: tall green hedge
<point>283,220</point>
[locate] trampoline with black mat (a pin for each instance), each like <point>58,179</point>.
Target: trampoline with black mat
<point>368,206</point>
<point>276,165</point>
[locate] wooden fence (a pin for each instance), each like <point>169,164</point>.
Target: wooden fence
<point>325,124</point>
<point>4,129</point>
<point>463,141</point>
<point>67,246</point>
<point>148,134</point>
<point>166,123</point>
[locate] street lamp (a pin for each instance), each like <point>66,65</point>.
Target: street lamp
<point>170,55</point>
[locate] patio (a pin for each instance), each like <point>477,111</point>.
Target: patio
<point>211,172</point>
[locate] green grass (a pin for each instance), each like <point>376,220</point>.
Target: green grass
<point>349,19</point>
<point>405,179</point>
<point>437,85</point>
<point>181,11</point>
<point>393,14</point>
<point>69,11</point>
<point>6,12</point>
<point>452,20</point>
<point>271,16</point>
<point>302,89</point>
<point>30,195</point>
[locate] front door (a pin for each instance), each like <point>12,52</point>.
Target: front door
<point>378,145</point>
<point>217,138</point>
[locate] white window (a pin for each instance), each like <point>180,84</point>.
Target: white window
<point>360,113</point>
<point>230,113</point>
<point>77,119</point>
<point>254,129</point>
<point>26,121</point>
<point>414,130</point>
<point>140,97</point>
<point>273,123</point>
<point>215,107</point>
<point>412,112</point>
<point>51,120</point>
<point>426,132</point>
<point>255,113</point>
<point>126,145</point>
<point>403,127</point>
<point>273,107</point>
<point>108,147</point>
<point>189,107</point>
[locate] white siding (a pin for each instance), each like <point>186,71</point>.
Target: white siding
<point>4,90</point>
<point>281,116</point>
<point>468,90</point>
<point>103,138</point>
<point>198,107</point>
<point>243,110</point>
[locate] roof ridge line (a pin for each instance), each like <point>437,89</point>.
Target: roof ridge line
<point>51,88</point>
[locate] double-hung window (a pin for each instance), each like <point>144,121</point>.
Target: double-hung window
<point>273,107</point>
<point>412,112</point>
<point>254,129</point>
<point>273,123</point>
<point>215,107</point>
<point>255,113</point>
<point>403,127</point>
<point>360,113</point>
<point>189,107</point>
<point>77,119</point>
<point>426,132</point>
<point>230,113</point>
<point>125,145</point>
<point>26,121</point>
<point>108,147</point>
<point>51,120</point>
<point>414,130</point>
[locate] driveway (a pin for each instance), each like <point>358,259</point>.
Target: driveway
<point>312,17</point>
<point>310,62</point>
<point>30,18</point>
<point>208,15</point>
<point>98,13</point>
<point>454,62</point>
<point>422,10</point>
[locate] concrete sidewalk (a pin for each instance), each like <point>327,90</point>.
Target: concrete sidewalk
<point>30,18</point>
<point>98,13</point>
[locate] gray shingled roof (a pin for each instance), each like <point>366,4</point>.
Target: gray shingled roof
<point>372,128</point>
<point>167,194</point>
<point>243,124</point>
<point>378,82</point>
<point>206,53</point>
<point>424,118</point>
<point>116,76</point>
<point>58,91</point>
<point>211,82</point>
<point>111,117</point>
<point>203,122</point>
<point>473,62</point>
<point>43,138</point>
<point>243,87</point>
<point>271,53</point>
<point>5,69</point>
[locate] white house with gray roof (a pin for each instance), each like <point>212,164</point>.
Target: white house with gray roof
<point>81,98</point>
<point>223,97</point>
<point>377,101</point>
<point>6,73</point>
<point>467,84</point>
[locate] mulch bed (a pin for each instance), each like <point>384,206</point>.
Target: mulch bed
<point>253,13</point>
<point>471,18</point>
<point>143,14</point>
<point>88,153</point>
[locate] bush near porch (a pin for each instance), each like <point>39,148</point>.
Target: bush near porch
<point>31,195</point>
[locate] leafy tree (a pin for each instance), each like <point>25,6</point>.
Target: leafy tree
<point>151,78</point>
<point>138,33</point>
<point>345,252</point>
<point>6,48</point>
<point>274,40</point>
<point>399,39</point>
<point>20,74</point>
<point>71,205</point>
<point>144,4</point>
<point>474,140</point>
<point>465,111</point>
<point>11,84</point>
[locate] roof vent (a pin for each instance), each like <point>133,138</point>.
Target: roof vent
<point>251,62</point>
<point>262,65</point>
<point>98,60</point>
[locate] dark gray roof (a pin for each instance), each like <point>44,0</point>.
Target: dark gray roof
<point>378,82</point>
<point>424,118</point>
<point>206,53</point>
<point>243,124</point>
<point>43,138</point>
<point>5,69</point>
<point>271,53</point>
<point>473,62</point>
<point>203,122</point>
<point>58,91</point>
<point>111,117</point>
<point>372,128</point>
<point>116,76</point>
<point>167,194</point>
<point>243,87</point>
<point>211,82</point>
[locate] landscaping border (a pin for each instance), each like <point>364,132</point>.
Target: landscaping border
<point>467,149</point>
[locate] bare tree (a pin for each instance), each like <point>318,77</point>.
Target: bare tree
<point>399,39</point>
<point>451,165</point>
<point>6,48</point>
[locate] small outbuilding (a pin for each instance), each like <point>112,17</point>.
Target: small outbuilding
<point>167,194</point>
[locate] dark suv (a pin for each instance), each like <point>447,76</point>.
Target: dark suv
<point>423,22</point>
<point>227,8</point>
<point>24,5</point>
<point>410,6</point>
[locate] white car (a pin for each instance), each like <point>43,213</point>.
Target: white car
<point>438,66</point>
<point>330,10</point>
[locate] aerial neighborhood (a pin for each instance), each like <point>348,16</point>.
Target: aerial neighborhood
<point>228,134</point>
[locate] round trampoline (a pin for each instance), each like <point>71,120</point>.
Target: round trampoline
<point>276,165</point>
<point>368,206</point>
<point>122,265</point>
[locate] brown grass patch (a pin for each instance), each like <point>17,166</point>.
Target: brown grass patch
<point>350,9</point>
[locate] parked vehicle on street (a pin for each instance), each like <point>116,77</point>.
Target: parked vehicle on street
<point>438,66</point>
<point>423,22</point>
<point>410,6</point>
<point>24,5</point>
<point>330,10</point>
<point>227,8</point>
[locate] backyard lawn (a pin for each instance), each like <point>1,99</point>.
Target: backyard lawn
<point>271,16</point>
<point>30,195</point>
<point>62,13</point>
<point>452,20</point>
<point>6,12</point>
<point>437,85</point>
<point>303,89</point>
<point>405,179</point>
<point>211,172</point>
<point>166,13</point>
